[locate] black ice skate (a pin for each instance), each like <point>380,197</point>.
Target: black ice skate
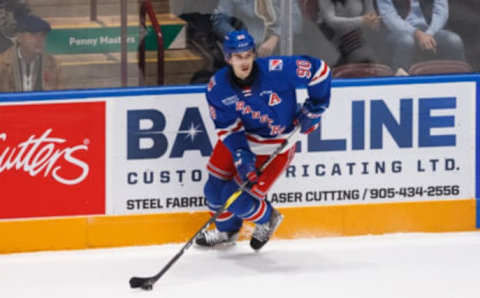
<point>263,232</point>
<point>210,238</point>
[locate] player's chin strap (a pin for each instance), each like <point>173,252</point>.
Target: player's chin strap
<point>146,283</point>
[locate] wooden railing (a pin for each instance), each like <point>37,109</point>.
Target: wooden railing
<point>93,10</point>
<point>146,8</point>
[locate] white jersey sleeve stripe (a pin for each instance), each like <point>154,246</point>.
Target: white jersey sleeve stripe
<point>321,74</point>
<point>266,146</point>
<point>225,132</point>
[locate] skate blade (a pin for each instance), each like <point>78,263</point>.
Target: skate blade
<point>220,246</point>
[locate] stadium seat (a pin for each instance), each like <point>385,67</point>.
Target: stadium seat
<point>439,67</point>
<point>362,70</point>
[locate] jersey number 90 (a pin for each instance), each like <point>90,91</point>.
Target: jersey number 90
<point>303,69</point>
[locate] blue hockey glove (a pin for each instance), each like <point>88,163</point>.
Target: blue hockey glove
<point>309,117</point>
<point>245,164</point>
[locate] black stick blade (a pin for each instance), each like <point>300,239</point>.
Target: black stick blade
<point>141,282</point>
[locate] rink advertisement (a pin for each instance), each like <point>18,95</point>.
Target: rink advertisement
<point>398,143</point>
<point>376,144</point>
<point>160,148</point>
<point>52,159</point>
<point>107,167</point>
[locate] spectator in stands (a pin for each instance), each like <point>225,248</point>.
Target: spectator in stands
<point>345,23</point>
<point>416,31</point>
<point>261,18</point>
<point>26,66</point>
<point>10,11</point>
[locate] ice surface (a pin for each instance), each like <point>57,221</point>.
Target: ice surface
<point>396,265</point>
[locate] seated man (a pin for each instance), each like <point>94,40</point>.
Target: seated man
<point>10,11</point>
<point>419,25</point>
<point>26,66</point>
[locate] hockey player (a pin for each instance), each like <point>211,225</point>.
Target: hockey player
<point>253,105</point>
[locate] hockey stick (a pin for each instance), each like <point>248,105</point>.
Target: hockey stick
<point>146,283</point>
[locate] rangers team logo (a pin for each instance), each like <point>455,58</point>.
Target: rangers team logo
<point>275,65</point>
<point>274,99</point>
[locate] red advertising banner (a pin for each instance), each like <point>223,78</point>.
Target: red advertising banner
<point>52,160</point>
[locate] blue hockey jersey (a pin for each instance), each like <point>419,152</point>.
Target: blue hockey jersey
<point>260,116</point>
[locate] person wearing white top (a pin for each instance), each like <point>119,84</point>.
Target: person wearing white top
<point>345,23</point>
<point>260,17</point>
<point>418,27</point>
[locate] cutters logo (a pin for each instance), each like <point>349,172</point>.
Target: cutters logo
<point>52,159</point>
<point>42,155</point>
